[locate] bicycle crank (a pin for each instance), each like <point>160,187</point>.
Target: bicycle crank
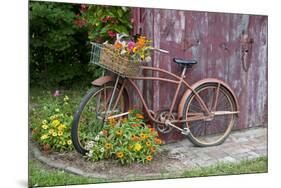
<point>184,131</point>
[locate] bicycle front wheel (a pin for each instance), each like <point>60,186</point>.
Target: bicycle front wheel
<point>215,129</point>
<point>89,118</point>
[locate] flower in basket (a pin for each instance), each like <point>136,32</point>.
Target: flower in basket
<point>138,51</point>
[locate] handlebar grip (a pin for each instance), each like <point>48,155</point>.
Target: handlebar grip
<point>163,51</point>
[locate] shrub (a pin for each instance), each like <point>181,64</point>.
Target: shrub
<point>126,140</point>
<point>58,47</point>
<point>54,130</point>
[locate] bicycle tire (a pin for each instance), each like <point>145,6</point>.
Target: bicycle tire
<point>191,136</point>
<point>75,124</point>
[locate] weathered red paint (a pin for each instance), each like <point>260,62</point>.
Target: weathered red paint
<point>215,40</point>
<point>102,80</point>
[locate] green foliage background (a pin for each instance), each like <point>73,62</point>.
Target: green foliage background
<point>59,47</point>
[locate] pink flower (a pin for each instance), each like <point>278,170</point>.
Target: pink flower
<point>56,93</point>
<point>131,45</point>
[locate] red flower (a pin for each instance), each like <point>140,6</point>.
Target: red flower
<point>80,22</point>
<point>111,33</point>
<point>83,8</point>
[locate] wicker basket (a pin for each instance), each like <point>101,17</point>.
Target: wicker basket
<point>104,56</point>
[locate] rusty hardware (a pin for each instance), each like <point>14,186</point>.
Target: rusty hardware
<point>246,47</point>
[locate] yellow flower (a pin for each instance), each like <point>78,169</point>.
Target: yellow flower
<point>108,146</point>
<point>45,126</point>
<point>44,122</point>
<point>54,134</point>
<point>119,133</point>
<point>137,147</point>
<point>60,142</point>
<point>60,133</point>
<point>65,99</point>
<point>148,144</point>
<point>69,142</point>
<point>120,154</point>
<point>143,136</point>
<point>44,136</point>
<point>51,131</point>
<point>61,127</point>
<point>56,122</point>
<point>57,109</point>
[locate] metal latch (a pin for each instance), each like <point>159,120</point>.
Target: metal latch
<point>246,46</point>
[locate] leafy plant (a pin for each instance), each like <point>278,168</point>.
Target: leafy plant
<point>126,140</point>
<point>103,22</point>
<point>53,132</point>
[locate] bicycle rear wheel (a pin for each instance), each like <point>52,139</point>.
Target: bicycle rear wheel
<point>89,118</point>
<point>219,101</point>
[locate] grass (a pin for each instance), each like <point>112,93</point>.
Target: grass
<point>41,176</point>
<point>258,165</point>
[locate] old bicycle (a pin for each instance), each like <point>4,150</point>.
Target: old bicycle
<point>206,112</point>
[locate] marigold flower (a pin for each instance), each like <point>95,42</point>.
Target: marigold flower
<point>45,126</point>
<point>119,132</point>
<point>44,136</point>
<point>60,133</point>
<point>151,130</point>
<point>61,127</point>
<point>148,144</point>
<point>69,142</point>
<point>51,131</point>
<point>149,157</point>
<point>54,134</point>
<point>44,122</point>
<point>56,122</point>
<point>157,141</point>
<point>120,154</point>
<point>137,147</point>
<point>139,116</point>
<point>108,146</point>
<point>134,125</point>
<point>143,136</point>
<point>112,121</point>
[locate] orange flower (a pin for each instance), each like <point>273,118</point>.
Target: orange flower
<point>119,133</point>
<point>117,45</point>
<point>152,149</point>
<point>157,141</point>
<point>148,144</point>
<point>120,154</point>
<point>141,42</point>
<point>135,125</point>
<point>104,132</point>
<point>149,157</point>
<point>139,116</point>
<point>151,130</point>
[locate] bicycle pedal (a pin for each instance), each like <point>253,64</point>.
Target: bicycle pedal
<point>185,131</point>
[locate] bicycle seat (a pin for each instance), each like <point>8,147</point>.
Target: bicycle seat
<point>184,62</point>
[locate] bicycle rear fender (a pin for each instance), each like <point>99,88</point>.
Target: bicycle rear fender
<point>102,80</point>
<point>195,85</point>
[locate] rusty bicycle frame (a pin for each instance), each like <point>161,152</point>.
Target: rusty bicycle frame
<point>179,82</point>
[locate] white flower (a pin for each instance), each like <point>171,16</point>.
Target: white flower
<point>102,150</point>
<point>57,110</point>
<point>97,138</point>
<point>90,154</point>
<point>147,59</point>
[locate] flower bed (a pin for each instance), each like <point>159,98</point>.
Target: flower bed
<point>127,140</point>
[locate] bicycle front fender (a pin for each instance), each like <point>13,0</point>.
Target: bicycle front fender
<point>102,80</point>
<point>197,84</point>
